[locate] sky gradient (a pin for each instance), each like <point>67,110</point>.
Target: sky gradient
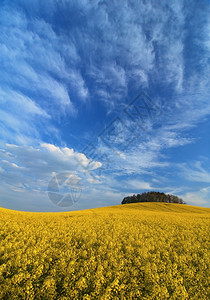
<point>103,99</point>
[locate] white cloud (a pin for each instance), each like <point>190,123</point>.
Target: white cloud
<point>40,61</point>
<point>11,165</point>
<point>14,100</point>
<point>19,117</point>
<point>31,168</point>
<point>195,172</point>
<point>195,198</point>
<point>51,157</point>
<point>144,153</point>
<point>139,185</point>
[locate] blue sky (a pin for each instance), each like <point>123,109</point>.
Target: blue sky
<point>103,99</point>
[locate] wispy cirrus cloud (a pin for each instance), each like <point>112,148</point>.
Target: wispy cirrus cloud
<point>19,117</point>
<point>34,63</point>
<point>196,172</point>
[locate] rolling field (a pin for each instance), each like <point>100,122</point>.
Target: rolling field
<point>133,251</point>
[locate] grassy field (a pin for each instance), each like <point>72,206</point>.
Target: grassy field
<point>133,251</point>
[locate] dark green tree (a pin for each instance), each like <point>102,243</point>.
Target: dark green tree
<point>152,197</point>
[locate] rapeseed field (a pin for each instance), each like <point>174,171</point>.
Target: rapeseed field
<point>133,251</point>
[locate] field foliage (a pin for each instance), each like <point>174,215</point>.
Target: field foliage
<point>133,251</point>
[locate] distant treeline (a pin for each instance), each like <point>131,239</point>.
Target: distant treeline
<point>152,197</point>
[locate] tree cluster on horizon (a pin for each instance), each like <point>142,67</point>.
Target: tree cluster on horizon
<point>152,197</point>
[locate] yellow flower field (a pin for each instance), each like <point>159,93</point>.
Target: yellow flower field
<point>133,251</point>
